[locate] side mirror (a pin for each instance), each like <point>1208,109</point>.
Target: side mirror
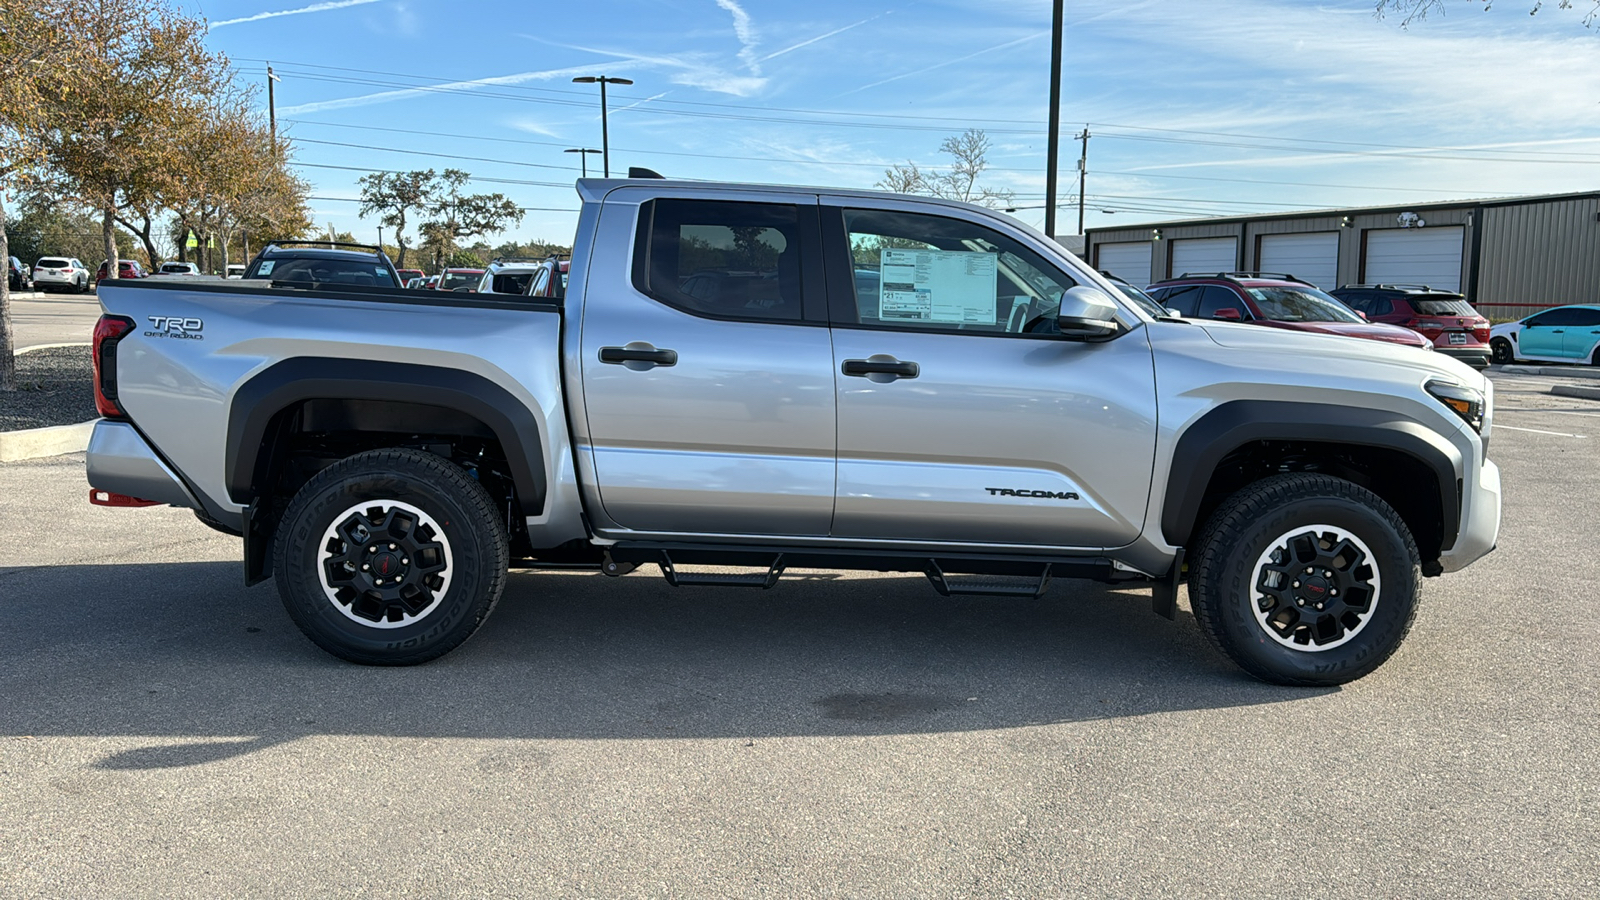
<point>1228,313</point>
<point>1174,313</point>
<point>1087,314</point>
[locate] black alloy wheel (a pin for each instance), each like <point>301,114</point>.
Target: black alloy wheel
<point>1501,348</point>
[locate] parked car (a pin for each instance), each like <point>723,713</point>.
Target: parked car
<point>406,275</point>
<point>126,268</point>
<point>508,275</point>
<point>1273,300</point>
<point>60,273</point>
<point>235,270</point>
<point>179,268</point>
<point>323,262</point>
<point>1558,334</point>
<point>1443,317</point>
<point>465,280</point>
<point>18,275</point>
<point>388,461</point>
<point>431,283</point>
<point>415,284</point>
<point>551,280</point>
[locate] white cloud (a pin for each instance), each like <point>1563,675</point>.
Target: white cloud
<point>313,8</point>
<point>746,32</point>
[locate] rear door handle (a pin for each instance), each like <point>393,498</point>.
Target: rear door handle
<point>881,365</point>
<point>1559,331</point>
<point>638,356</point>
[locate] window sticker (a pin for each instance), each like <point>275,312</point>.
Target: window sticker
<point>266,267</point>
<point>380,270</point>
<point>951,287</point>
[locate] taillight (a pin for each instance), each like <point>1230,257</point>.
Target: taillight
<point>107,332</point>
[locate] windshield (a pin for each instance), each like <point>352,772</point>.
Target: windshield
<point>1141,299</point>
<point>324,270</point>
<point>453,280</point>
<point>1442,307</point>
<point>1293,304</point>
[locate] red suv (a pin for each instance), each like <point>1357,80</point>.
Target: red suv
<point>1443,317</point>
<point>126,268</point>
<point>1277,301</point>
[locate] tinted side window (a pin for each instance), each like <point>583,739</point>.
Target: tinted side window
<point>1552,317</point>
<point>933,273</point>
<point>719,258</point>
<point>1184,299</point>
<point>511,282</point>
<point>1215,298</point>
<point>1586,317</point>
<point>1378,306</point>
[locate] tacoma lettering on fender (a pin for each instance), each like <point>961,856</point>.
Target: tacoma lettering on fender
<point>763,377</point>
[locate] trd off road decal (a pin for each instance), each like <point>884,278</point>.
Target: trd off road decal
<point>175,327</point>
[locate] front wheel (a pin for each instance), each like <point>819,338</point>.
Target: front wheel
<point>1306,579</point>
<point>390,557</point>
<point>1501,348</point>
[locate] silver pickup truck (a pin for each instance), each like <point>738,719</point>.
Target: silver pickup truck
<point>742,379</point>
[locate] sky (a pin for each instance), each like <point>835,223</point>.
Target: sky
<point>1194,107</point>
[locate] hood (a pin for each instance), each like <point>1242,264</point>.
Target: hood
<point>1372,331</point>
<point>1305,348</point>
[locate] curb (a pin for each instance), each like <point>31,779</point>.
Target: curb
<point>1572,390</point>
<point>21,350</point>
<point>1553,371</point>
<point>37,443</point>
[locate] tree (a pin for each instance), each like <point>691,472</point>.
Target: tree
<point>970,151</point>
<point>112,141</point>
<point>38,48</point>
<point>393,195</point>
<point>458,216</point>
<point>1416,10</point>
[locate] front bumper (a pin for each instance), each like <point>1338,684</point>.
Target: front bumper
<point>119,460</point>
<point>1480,521</point>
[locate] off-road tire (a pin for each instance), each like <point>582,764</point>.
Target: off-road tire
<point>1501,350</point>
<point>469,530</point>
<point>1228,567</point>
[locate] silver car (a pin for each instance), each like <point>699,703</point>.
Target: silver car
<point>60,273</point>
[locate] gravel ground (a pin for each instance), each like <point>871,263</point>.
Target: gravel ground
<point>56,388</point>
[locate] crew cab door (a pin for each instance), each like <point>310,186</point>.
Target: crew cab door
<point>707,390</point>
<point>963,416</point>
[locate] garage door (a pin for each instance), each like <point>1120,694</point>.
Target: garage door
<point>1130,262</point>
<point>1204,256</point>
<point>1309,257</point>
<point>1430,256</point>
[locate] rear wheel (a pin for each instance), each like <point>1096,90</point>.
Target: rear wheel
<point>1306,579</point>
<point>1501,348</point>
<point>391,557</point>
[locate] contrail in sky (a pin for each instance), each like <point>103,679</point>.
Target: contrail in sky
<point>315,7</point>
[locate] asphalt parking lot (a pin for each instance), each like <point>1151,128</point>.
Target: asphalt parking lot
<point>165,731</point>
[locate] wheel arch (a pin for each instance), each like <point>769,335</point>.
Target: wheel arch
<point>1373,445</point>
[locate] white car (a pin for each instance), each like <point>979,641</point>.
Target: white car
<point>178,268</point>
<point>60,273</point>
<point>236,271</point>
<point>1560,334</point>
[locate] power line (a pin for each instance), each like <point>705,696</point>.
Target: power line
<point>523,208</point>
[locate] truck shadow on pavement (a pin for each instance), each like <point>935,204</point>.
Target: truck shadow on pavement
<point>183,651</point>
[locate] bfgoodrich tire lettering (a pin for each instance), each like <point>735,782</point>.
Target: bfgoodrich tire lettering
<point>390,557</point>
<point>1349,539</point>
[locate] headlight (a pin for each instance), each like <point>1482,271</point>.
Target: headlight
<point>1463,401</point>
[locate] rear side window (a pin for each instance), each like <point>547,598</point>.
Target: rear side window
<point>1184,298</point>
<point>719,258</point>
<point>1585,317</point>
<point>1215,298</point>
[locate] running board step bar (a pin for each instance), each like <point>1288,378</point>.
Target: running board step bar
<point>986,587</point>
<point>721,579</point>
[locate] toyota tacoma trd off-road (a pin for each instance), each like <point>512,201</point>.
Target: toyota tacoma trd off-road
<point>741,379</point>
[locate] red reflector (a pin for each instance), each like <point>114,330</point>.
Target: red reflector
<point>107,498</point>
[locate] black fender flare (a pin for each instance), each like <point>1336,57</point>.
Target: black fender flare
<point>1233,424</point>
<point>292,381</point>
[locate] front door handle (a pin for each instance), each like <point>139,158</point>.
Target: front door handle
<point>881,365</point>
<point>638,356</point>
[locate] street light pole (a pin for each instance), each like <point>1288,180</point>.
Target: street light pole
<point>1055,123</point>
<point>583,154</point>
<point>605,137</point>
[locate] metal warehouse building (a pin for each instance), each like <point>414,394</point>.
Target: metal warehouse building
<point>1509,257</point>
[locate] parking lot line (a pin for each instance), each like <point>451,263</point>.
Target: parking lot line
<point>1536,431</point>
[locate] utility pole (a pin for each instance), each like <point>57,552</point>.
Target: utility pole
<point>272,108</point>
<point>605,139</point>
<point>1083,170</point>
<point>1055,124</point>
<point>583,154</point>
